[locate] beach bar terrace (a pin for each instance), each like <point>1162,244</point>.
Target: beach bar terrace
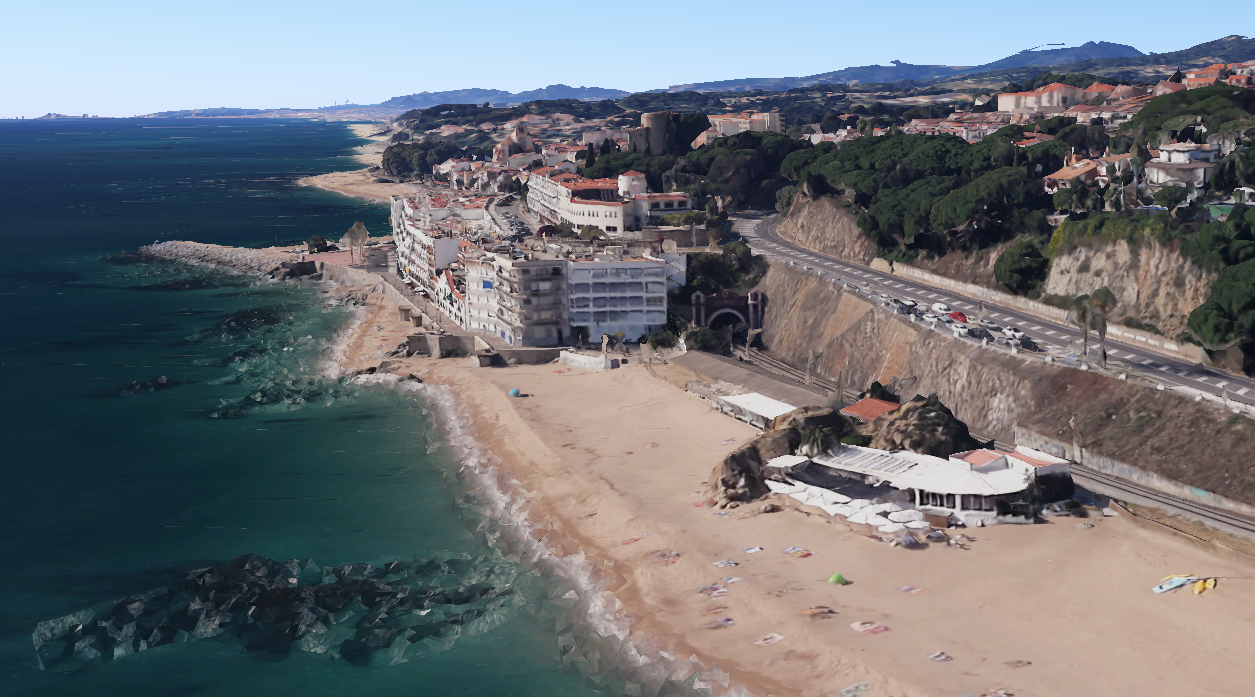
<point>976,487</point>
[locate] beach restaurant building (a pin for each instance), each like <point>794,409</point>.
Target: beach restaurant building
<point>976,486</point>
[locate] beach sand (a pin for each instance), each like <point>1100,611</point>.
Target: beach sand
<point>619,459</point>
<point>361,183</point>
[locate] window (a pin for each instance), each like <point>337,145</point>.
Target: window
<point>668,204</point>
<point>653,205</point>
<point>612,228</point>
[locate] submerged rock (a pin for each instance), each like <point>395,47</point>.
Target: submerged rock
<point>404,610</point>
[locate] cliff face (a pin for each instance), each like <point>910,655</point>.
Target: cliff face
<point>827,227</point>
<point>993,391</point>
<point>1155,285</point>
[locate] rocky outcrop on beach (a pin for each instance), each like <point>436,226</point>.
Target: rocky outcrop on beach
<point>740,477</point>
<point>238,258</point>
<point>923,425</point>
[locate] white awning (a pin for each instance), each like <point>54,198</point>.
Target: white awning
<point>759,404</point>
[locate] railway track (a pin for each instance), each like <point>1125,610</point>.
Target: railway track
<point>1124,490</point>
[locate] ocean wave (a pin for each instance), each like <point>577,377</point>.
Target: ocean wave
<point>594,636</point>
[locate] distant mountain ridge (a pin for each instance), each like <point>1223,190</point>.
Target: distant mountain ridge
<point>424,100</point>
<point>898,70</point>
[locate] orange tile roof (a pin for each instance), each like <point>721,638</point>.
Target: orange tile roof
<point>631,173</point>
<point>868,410</point>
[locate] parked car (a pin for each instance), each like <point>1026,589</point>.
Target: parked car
<point>958,317</point>
<point>906,307</point>
<point>990,325</point>
<point>1012,333</point>
<point>941,309</point>
<point>930,318</point>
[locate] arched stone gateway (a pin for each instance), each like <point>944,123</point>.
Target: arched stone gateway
<point>747,308</point>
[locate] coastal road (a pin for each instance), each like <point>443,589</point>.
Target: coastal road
<point>759,233</point>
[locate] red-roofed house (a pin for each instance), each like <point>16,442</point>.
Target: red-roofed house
<point>868,410</point>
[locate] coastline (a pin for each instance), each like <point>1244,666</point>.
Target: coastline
<point>360,183</point>
<point>593,475</point>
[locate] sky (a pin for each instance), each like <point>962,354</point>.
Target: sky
<point>127,57</point>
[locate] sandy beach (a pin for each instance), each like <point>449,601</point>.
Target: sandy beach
<point>360,183</point>
<point>617,461</point>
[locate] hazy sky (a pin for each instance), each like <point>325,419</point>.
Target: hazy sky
<point>126,57</point>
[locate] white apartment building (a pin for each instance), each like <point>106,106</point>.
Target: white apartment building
<point>429,230</point>
<point>609,294</point>
<point>612,205</point>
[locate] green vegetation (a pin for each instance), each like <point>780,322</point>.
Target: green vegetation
<point>733,267</point>
<point>420,158</point>
<point>933,192</point>
<point>1178,114</point>
<point>1220,244</point>
<point>1021,268</point>
<point>471,114</point>
<point>1101,228</point>
<point>1228,316</point>
<point>661,339</point>
<point>617,163</point>
<point>744,167</point>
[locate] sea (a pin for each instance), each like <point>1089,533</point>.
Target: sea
<point>161,419</point>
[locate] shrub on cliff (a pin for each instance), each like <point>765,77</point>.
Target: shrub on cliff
<point>1228,317</point>
<point>1021,268</point>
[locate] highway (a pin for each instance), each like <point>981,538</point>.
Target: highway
<point>758,231</point>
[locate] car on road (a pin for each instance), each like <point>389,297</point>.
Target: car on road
<point>907,307</point>
<point>1012,333</point>
<point>931,318</point>
<point>941,309</point>
<point>990,325</point>
<point>958,317</point>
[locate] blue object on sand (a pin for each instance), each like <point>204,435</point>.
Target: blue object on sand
<point>514,392</point>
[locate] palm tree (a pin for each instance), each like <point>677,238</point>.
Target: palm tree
<point>1102,303</point>
<point>1081,315</point>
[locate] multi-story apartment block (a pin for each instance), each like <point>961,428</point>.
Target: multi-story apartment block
<point>609,293</point>
<point>429,230</point>
<point>612,205</point>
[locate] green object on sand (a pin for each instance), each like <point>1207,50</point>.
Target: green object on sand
<point>837,579</point>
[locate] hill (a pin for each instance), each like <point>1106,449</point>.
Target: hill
<point>898,71</point>
<point>1088,51</point>
<point>424,100</point>
<point>1148,68</point>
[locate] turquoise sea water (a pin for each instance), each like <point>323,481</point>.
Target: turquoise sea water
<point>111,488</point>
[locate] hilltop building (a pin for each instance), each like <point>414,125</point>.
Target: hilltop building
<point>730,124</point>
<point>612,205</point>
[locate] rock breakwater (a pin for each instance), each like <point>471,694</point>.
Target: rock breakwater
<point>238,258</point>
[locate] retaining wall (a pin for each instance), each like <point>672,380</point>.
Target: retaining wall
<point>1137,475</point>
